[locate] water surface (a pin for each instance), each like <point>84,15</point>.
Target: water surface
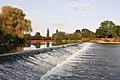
<point>11,48</point>
<point>87,61</point>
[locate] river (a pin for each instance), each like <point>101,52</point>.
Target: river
<point>84,61</point>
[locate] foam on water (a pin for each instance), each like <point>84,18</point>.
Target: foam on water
<point>87,61</point>
<point>57,69</point>
<point>31,65</point>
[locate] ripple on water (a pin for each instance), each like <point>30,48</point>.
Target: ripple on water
<point>88,64</point>
<point>87,61</point>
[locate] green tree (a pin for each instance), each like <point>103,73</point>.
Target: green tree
<point>117,31</point>
<point>59,36</point>
<point>106,29</point>
<point>28,28</point>
<point>87,33</point>
<point>27,36</point>
<point>77,35</point>
<point>37,34</point>
<point>48,33</point>
<point>1,31</point>
<point>101,33</point>
<point>78,31</point>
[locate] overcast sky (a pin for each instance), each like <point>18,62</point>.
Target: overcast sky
<point>67,15</point>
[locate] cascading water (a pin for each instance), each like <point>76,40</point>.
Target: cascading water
<point>58,69</point>
<point>33,64</point>
<point>87,61</point>
<point>92,62</point>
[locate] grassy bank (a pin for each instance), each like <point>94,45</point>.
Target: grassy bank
<point>98,40</point>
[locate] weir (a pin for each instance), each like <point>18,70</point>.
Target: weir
<point>32,65</point>
<point>57,68</point>
<point>79,61</point>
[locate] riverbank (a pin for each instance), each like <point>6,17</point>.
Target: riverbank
<point>96,40</point>
<point>102,42</point>
<point>73,62</point>
<point>107,40</point>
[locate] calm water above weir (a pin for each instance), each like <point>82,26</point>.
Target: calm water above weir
<point>87,61</point>
<point>27,46</point>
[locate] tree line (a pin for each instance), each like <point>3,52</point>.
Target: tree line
<point>14,26</point>
<point>107,29</point>
<point>37,36</point>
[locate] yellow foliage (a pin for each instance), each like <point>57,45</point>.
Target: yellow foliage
<point>19,33</point>
<point>14,22</point>
<point>8,29</point>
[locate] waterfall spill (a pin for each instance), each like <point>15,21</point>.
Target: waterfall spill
<point>85,61</point>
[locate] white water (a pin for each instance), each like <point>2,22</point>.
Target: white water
<point>38,64</point>
<point>58,69</point>
<point>87,61</point>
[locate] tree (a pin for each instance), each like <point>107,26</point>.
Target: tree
<point>77,35</point>
<point>106,29</point>
<point>117,31</point>
<point>27,36</point>
<point>0,20</point>
<point>1,31</point>
<point>59,36</point>
<point>14,22</point>
<point>74,36</point>
<point>28,28</point>
<point>77,31</point>
<point>37,34</point>
<point>57,31</point>
<point>47,33</point>
<point>101,33</point>
<point>87,33</point>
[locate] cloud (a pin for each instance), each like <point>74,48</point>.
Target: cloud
<point>80,6</point>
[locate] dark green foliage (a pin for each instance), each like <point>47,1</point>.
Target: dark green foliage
<point>107,29</point>
<point>27,36</point>
<point>48,33</point>
<point>117,31</point>
<point>87,33</point>
<point>59,36</point>
<point>37,36</point>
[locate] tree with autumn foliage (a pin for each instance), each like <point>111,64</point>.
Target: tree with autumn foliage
<point>13,22</point>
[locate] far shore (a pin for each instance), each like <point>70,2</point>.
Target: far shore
<point>107,40</point>
<point>103,42</point>
<point>96,40</point>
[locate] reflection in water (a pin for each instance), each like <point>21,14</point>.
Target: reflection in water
<point>11,48</point>
<point>27,46</point>
<point>37,45</point>
<point>58,43</point>
<point>48,44</point>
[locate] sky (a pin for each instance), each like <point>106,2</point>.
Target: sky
<point>67,15</point>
